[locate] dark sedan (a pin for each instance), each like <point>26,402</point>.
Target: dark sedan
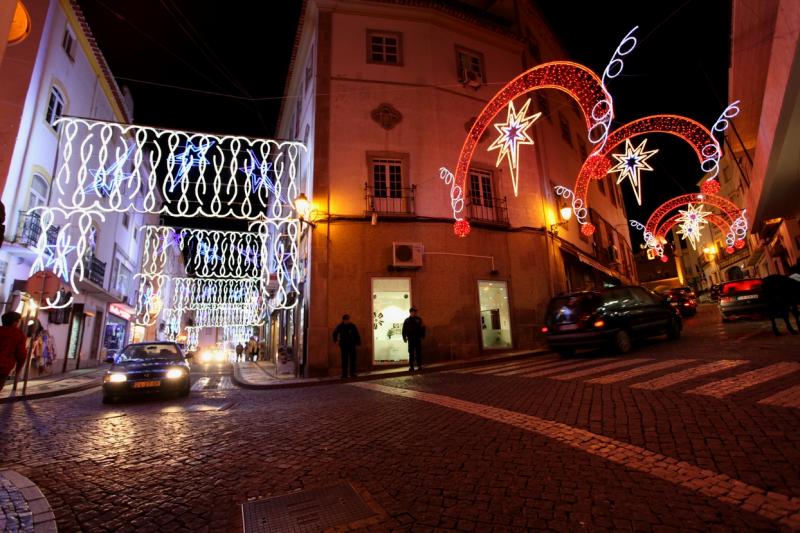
<point>611,316</point>
<point>683,299</point>
<point>741,298</point>
<point>147,368</point>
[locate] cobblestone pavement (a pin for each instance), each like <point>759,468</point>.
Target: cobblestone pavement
<point>700,434</point>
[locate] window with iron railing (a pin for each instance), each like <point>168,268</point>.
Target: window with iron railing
<point>30,229</point>
<point>386,191</point>
<point>482,204</point>
<point>94,269</point>
<point>400,201</point>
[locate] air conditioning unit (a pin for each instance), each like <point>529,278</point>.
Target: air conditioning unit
<point>470,78</point>
<point>407,254</point>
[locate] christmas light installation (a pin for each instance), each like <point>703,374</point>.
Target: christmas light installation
<point>650,240</point>
<point>161,178</point>
<point>722,223</point>
<point>116,171</point>
<point>712,151</point>
<point>603,111</point>
<point>577,205</point>
<point>691,222</point>
<point>630,164</point>
<point>456,198</point>
<point>513,134</point>
<point>258,173</point>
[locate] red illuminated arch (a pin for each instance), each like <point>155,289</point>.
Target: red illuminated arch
<point>730,209</point>
<point>720,222</point>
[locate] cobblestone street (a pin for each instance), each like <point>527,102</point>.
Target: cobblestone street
<point>699,434</point>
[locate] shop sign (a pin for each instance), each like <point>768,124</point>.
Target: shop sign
<point>118,310</point>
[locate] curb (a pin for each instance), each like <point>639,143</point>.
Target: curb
<point>50,394</point>
<point>241,382</point>
<point>32,511</point>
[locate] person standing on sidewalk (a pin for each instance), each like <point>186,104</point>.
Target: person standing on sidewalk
<point>346,335</point>
<point>239,352</point>
<point>12,346</point>
<point>252,349</point>
<point>413,333</point>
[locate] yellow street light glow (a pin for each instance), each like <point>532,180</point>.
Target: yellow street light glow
<point>302,205</point>
<point>566,213</point>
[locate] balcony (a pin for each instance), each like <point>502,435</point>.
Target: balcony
<point>30,229</point>
<point>94,270</point>
<point>487,210</point>
<point>390,201</point>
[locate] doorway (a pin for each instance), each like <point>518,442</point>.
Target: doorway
<point>391,299</point>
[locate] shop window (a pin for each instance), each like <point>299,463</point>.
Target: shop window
<point>55,107</point>
<point>384,47</point>
<point>470,67</point>
<point>495,315</point>
<point>391,300</point>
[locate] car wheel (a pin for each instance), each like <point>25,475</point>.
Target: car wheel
<point>622,341</point>
<point>186,390</point>
<point>673,330</point>
<point>566,352</point>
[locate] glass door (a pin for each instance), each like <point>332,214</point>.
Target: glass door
<point>495,315</point>
<point>391,299</point>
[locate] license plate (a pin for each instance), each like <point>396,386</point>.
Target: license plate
<point>747,297</point>
<point>567,327</point>
<point>146,384</point>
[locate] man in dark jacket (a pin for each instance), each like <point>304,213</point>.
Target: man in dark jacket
<point>12,346</point>
<point>413,333</point>
<point>346,334</point>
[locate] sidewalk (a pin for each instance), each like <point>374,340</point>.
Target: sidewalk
<point>261,374</point>
<point>23,507</point>
<point>72,381</point>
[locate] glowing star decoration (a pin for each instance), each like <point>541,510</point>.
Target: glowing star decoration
<point>691,223</point>
<point>258,173</point>
<point>192,156</point>
<point>513,134</point>
<point>630,164</point>
<point>55,259</point>
<point>101,185</point>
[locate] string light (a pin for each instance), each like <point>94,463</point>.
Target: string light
<point>691,222</point>
<point>630,164</point>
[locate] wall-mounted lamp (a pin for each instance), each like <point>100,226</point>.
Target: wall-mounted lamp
<point>302,206</point>
<point>566,214</point>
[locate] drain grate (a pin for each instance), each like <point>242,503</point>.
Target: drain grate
<point>306,511</point>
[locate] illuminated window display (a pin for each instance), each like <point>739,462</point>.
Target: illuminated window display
<point>495,316</point>
<point>391,299</point>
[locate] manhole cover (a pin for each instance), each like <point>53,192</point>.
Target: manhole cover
<point>310,510</point>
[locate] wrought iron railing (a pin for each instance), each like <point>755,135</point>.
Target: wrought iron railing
<point>390,200</point>
<point>30,229</point>
<point>489,209</point>
<point>94,269</point>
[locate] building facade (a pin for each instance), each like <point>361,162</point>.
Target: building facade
<point>57,71</point>
<point>383,94</point>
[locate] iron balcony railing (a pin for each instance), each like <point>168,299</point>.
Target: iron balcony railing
<point>30,229</point>
<point>94,269</point>
<point>390,200</point>
<point>488,209</point>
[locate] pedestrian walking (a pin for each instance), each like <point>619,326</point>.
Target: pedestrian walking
<point>252,349</point>
<point>12,346</point>
<point>239,352</point>
<point>346,335</point>
<point>413,333</point>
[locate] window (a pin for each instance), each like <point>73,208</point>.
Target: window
<point>125,220</point>
<point>123,279</point>
<point>68,43</point>
<point>387,178</point>
<point>470,67</point>
<point>38,193</point>
<point>384,47</point>
<point>566,132</point>
<point>612,191</point>
<point>55,107</point>
<point>544,105</point>
<point>480,188</point>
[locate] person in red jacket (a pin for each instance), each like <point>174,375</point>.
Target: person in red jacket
<point>12,346</point>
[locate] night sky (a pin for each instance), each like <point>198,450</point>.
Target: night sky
<point>192,65</point>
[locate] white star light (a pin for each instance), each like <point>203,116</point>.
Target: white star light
<point>692,221</point>
<point>58,262</point>
<point>630,164</point>
<point>513,133</point>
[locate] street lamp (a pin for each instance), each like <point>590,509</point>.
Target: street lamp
<point>565,214</point>
<point>302,206</point>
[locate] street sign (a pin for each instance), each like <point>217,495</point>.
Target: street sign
<point>44,284</point>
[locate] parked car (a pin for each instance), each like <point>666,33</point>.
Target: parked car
<point>715,292</point>
<point>741,298</point>
<point>683,299</point>
<point>611,316</point>
<point>146,368</point>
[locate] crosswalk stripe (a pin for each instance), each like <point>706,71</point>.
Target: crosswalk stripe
<point>636,372</point>
<point>598,369</point>
<point>561,367</point>
<point>498,366</point>
<point>786,398</point>
<point>728,386</point>
<point>675,378</point>
<point>510,371</point>
<point>200,384</point>
<point>525,370</point>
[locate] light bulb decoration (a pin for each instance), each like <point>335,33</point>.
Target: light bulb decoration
<point>576,204</point>
<point>650,239</point>
<point>101,186</point>
<point>456,193</point>
<point>630,164</point>
<point>723,224</point>
<point>712,152</point>
<point>189,156</point>
<point>691,222</point>
<point>513,134</point>
<point>257,172</point>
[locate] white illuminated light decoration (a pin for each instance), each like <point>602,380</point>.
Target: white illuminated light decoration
<point>691,223</point>
<point>118,175</point>
<point>513,134</point>
<point>712,153</point>
<point>576,203</point>
<point>738,230</point>
<point>630,164</point>
<point>456,193</point>
<point>649,239</point>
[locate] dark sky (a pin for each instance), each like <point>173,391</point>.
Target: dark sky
<point>227,62</point>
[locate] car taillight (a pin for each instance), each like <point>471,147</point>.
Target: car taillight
<point>599,323</point>
<point>544,329</point>
<point>725,300</point>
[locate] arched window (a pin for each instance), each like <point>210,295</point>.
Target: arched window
<point>39,189</point>
<point>55,106</point>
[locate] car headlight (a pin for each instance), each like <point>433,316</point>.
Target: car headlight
<point>116,377</point>
<point>220,356</point>
<point>205,357</point>
<point>175,373</point>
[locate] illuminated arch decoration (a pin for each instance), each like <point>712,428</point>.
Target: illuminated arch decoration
<point>737,229</point>
<point>723,224</point>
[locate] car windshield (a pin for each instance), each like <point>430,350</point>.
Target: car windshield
<point>141,352</point>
